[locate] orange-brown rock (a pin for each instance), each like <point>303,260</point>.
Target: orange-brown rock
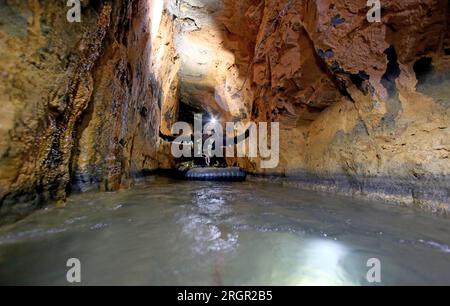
<point>364,107</point>
<point>76,99</point>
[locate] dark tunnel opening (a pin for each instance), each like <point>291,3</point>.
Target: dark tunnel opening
<point>423,69</point>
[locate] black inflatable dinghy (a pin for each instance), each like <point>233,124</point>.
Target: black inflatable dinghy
<point>216,174</point>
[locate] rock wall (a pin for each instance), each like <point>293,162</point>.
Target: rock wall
<point>77,100</point>
<point>359,114</point>
<point>363,107</point>
<point>118,133</point>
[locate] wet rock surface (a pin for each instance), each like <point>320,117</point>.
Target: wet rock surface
<point>76,100</point>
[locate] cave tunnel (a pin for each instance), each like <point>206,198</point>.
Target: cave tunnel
<point>332,118</point>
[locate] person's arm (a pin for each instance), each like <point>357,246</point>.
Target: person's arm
<point>172,138</point>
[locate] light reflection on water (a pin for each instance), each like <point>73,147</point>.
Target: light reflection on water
<point>200,222</point>
<point>165,232</point>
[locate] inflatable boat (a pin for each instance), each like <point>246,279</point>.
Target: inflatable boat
<point>233,174</point>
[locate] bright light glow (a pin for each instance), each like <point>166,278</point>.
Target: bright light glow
<point>323,265</point>
<point>213,120</point>
<point>156,10</point>
<point>304,261</point>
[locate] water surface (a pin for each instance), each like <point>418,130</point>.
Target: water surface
<point>168,232</point>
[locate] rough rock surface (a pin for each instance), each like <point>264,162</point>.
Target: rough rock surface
<point>76,99</point>
<point>381,137</point>
<point>363,107</point>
